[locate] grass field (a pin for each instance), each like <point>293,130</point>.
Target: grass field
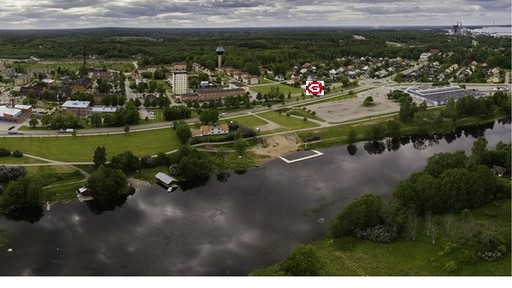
<point>81,148</point>
<point>350,256</point>
<point>283,88</point>
<point>59,182</point>
<point>264,80</point>
<point>304,113</point>
<point>22,160</point>
<point>289,123</point>
<point>337,98</point>
<point>249,121</point>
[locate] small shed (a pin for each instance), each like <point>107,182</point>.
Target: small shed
<point>165,179</point>
<point>84,194</point>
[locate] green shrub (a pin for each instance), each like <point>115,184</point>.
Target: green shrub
<point>361,214</point>
<point>17,154</point>
<point>302,261</point>
<point>5,152</point>
<point>468,257</point>
<point>450,267</point>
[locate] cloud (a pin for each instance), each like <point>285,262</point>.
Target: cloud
<point>247,13</point>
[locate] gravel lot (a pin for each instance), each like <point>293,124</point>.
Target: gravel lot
<point>345,110</point>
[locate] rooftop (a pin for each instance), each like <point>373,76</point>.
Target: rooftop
<point>164,178</point>
<point>9,111</point>
<point>76,104</point>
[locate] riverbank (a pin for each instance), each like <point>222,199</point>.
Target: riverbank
<point>351,256</point>
<point>239,222</point>
<point>339,135</point>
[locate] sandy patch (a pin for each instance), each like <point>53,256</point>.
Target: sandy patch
<point>138,184</point>
<point>278,145</point>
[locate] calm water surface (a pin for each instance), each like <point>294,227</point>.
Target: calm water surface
<point>225,227</point>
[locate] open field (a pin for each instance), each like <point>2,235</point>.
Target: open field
<point>249,121</point>
<point>283,88</point>
<point>81,148</point>
<point>304,113</point>
<point>22,160</point>
<point>287,122</point>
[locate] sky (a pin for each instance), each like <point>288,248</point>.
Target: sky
<point>57,14</point>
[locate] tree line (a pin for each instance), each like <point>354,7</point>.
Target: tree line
<point>277,49</point>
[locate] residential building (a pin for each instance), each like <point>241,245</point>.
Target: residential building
<point>22,79</point>
<point>179,82</point>
<point>206,130</point>
<point>103,75</point>
<point>178,66</point>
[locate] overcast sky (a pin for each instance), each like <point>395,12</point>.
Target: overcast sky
<point>29,14</point>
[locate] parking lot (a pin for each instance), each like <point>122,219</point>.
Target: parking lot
<point>344,110</point>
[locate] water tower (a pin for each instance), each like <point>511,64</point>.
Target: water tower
<point>220,52</point>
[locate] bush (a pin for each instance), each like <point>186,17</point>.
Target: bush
<point>491,256</point>
<point>468,257</point>
<point>163,159</point>
<point>450,267</point>
<point>302,261</point>
<point>11,173</point>
<point>5,152</point>
<point>361,214</point>
<point>17,154</point>
<point>247,132</point>
<point>148,162</point>
<point>379,234</point>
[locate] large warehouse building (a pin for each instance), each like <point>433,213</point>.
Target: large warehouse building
<point>440,95</point>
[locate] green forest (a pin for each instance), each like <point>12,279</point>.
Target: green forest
<point>248,49</point>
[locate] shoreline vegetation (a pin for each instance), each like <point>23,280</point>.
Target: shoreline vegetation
<point>451,219</point>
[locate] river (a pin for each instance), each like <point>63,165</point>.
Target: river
<point>224,226</point>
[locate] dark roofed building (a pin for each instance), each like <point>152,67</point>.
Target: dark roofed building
<point>211,93</point>
<point>103,75</point>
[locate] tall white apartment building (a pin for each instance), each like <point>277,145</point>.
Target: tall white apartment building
<point>179,82</point>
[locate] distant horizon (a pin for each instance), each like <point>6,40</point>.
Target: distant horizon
<point>261,28</point>
<point>202,14</point>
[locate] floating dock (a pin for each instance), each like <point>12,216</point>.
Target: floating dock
<point>317,154</point>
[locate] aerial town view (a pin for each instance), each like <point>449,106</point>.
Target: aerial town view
<point>255,138</point>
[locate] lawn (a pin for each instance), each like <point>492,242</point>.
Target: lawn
<point>302,112</point>
<point>289,123</point>
<point>59,182</point>
<point>81,148</point>
<point>22,160</point>
<point>283,88</point>
<point>249,121</point>
<point>264,80</point>
<point>337,98</point>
